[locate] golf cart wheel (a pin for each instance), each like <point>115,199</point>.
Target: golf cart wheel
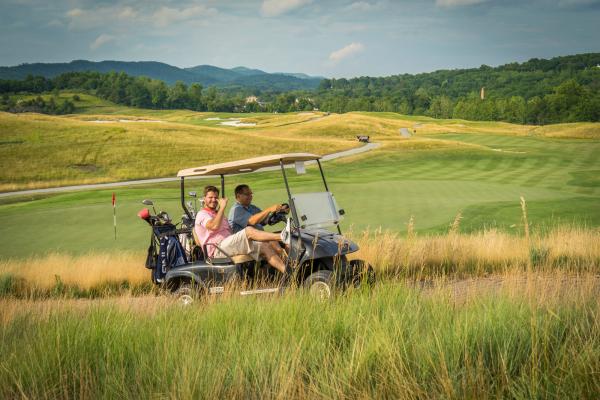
<point>186,294</point>
<point>319,284</point>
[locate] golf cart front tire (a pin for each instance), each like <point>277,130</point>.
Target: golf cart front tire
<point>320,284</point>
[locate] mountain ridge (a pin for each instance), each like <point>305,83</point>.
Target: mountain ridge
<point>206,75</point>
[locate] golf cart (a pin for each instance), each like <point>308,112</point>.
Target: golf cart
<point>317,256</point>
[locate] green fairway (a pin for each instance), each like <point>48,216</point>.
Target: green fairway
<point>382,188</point>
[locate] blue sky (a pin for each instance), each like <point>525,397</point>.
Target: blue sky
<point>337,38</point>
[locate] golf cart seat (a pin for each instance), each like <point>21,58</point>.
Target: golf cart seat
<point>237,259</point>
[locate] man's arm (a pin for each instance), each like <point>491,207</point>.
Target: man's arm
<point>213,224</point>
<point>260,217</point>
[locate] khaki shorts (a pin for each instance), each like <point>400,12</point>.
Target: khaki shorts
<point>238,244</point>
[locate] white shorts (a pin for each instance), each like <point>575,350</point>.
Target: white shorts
<point>238,244</point>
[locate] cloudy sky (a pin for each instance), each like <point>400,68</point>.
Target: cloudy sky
<point>333,38</point>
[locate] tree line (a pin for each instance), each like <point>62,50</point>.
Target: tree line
<point>563,89</point>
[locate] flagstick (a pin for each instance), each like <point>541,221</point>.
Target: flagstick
<point>114,204</point>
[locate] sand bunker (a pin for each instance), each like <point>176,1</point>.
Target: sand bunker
<point>237,123</point>
<point>109,121</point>
<point>509,151</point>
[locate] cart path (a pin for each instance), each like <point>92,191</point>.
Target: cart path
<point>332,156</point>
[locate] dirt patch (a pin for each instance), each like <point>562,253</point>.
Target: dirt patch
<point>85,167</point>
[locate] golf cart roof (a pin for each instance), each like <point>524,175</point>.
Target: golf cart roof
<point>248,165</point>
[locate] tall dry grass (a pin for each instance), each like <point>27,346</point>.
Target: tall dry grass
<point>569,248</point>
<point>84,275</point>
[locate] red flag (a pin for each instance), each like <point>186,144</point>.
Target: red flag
<point>114,199</point>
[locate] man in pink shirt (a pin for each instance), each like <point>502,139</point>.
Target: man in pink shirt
<point>213,228</point>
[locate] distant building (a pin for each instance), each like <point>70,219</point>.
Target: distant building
<point>306,99</point>
<point>482,94</point>
<point>251,99</point>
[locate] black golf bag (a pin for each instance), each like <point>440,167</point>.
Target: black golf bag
<point>165,251</point>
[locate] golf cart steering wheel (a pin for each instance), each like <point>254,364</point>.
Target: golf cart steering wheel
<point>280,216</point>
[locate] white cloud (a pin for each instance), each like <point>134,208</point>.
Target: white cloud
<point>127,13</point>
<point>75,13</point>
<point>99,17</point>
<point>273,8</point>
<point>165,16</point>
<point>578,3</point>
<point>345,52</point>
<point>101,40</point>
<point>127,16</point>
<point>457,3</point>
<point>363,6</point>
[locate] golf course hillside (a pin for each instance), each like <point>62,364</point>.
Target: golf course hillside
<point>104,142</point>
<point>425,173</point>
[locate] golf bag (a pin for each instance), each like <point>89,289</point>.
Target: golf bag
<point>170,252</point>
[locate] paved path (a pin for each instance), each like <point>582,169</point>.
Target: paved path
<point>332,156</point>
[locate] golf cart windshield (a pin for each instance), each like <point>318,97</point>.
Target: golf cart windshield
<point>316,210</point>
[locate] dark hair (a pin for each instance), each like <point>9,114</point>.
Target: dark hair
<point>240,188</point>
<point>210,188</point>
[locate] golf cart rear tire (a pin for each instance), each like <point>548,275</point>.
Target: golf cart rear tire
<point>186,293</point>
<point>320,284</point>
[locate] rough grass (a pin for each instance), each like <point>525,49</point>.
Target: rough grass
<point>398,341</point>
<point>582,130</point>
<point>42,151</point>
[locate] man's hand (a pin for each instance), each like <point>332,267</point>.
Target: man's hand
<point>222,203</point>
<point>275,208</point>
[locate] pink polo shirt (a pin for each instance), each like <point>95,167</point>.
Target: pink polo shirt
<point>205,235</point>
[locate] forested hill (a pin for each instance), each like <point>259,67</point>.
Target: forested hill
<point>206,75</point>
<point>560,89</point>
<point>536,77</point>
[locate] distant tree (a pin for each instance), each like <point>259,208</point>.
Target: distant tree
<point>195,97</point>
<point>178,95</point>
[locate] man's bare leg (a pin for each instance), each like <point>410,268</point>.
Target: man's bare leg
<point>268,247</point>
<point>272,257</point>
<point>278,249</point>
<point>261,236</point>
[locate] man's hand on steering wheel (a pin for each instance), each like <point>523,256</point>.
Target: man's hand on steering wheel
<point>277,213</point>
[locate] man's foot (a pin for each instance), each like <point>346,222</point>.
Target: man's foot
<point>286,233</point>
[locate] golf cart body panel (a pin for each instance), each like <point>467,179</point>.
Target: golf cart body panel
<point>204,273</point>
<point>323,243</point>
